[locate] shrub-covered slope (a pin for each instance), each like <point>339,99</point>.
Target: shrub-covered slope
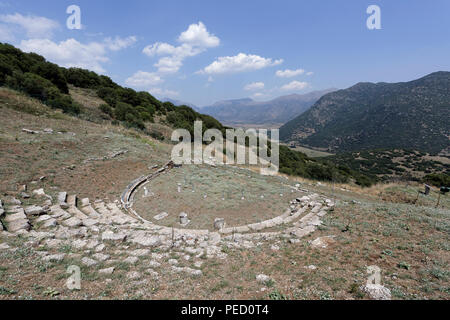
<point>409,115</point>
<point>32,74</point>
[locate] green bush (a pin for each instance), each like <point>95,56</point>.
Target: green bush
<point>109,95</point>
<point>65,103</point>
<point>5,70</point>
<point>129,115</point>
<point>437,180</point>
<point>82,78</point>
<point>128,95</point>
<point>122,109</point>
<point>52,73</point>
<point>15,80</point>
<point>106,109</point>
<point>364,181</point>
<point>146,116</point>
<point>38,87</point>
<point>133,122</point>
<point>319,172</point>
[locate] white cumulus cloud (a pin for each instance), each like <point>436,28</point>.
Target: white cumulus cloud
<point>254,86</point>
<point>289,73</point>
<point>169,64</point>
<point>159,49</point>
<point>172,57</point>
<point>162,93</point>
<point>6,34</point>
<point>195,40</point>
<point>72,53</point>
<point>197,36</point>
<point>166,49</point>
<point>294,86</point>
<point>38,32</point>
<point>118,43</point>
<point>69,53</point>
<point>34,26</point>
<point>239,63</point>
<point>142,79</point>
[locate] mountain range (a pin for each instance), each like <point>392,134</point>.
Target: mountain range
<point>181,103</point>
<point>413,115</point>
<point>276,111</point>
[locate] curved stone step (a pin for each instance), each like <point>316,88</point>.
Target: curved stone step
<point>62,200</point>
<point>73,222</point>
<point>2,211</point>
<point>58,213</point>
<point>16,220</point>
<point>105,214</point>
<point>316,208</point>
<point>307,219</point>
<point>287,217</point>
<point>252,236</point>
<point>72,200</point>
<point>119,214</point>
<point>296,215</point>
<point>100,207</point>
<point>90,211</point>
<point>77,213</point>
<point>301,232</point>
<point>45,221</point>
<point>110,213</point>
<point>84,202</point>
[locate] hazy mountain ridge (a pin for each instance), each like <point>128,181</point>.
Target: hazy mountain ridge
<point>278,110</point>
<point>181,103</point>
<point>412,114</point>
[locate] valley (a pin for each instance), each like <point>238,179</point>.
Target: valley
<point>270,114</point>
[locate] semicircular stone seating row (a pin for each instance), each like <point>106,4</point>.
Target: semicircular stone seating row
<point>69,218</point>
<point>305,225</point>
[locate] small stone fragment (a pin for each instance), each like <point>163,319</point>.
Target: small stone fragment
<point>88,261</point>
<point>108,271</point>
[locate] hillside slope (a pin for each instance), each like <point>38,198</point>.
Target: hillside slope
<point>98,99</point>
<point>413,115</point>
<point>395,165</point>
<point>276,111</point>
<point>33,75</point>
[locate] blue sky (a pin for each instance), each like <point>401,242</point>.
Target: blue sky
<point>205,51</point>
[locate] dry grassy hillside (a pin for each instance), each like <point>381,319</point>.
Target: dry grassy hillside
<point>407,237</point>
<point>71,157</point>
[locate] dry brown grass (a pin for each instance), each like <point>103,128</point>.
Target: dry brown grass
<point>26,157</point>
<point>209,192</point>
<point>17,101</point>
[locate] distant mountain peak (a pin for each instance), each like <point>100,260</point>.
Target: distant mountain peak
<point>181,103</point>
<point>233,101</point>
<point>408,115</point>
<point>276,111</point>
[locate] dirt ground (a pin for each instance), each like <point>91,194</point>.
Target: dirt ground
<point>238,195</point>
